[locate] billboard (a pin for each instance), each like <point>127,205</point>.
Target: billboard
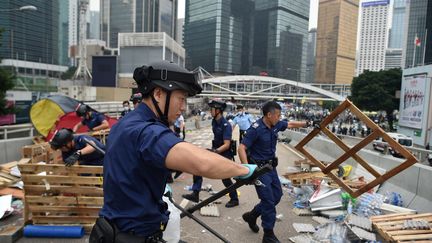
<point>104,71</point>
<point>412,105</point>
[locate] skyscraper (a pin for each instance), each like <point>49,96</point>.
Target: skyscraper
<point>415,34</point>
<point>397,27</point>
<point>336,41</point>
<point>137,16</point>
<point>63,32</point>
<point>311,53</point>
<point>373,36</point>
<point>280,38</point>
<point>217,35</point>
<point>247,36</point>
<point>30,36</point>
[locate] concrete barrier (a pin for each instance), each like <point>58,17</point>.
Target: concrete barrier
<point>10,150</point>
<point>413,183</point>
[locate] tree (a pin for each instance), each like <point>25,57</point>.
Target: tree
<point>69,73</point>
<point>6,83</point>
<point>376,91</point>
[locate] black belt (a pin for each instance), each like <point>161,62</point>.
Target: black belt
<point>273,162</point>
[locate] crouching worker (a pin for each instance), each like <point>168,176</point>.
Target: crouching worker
<point>76,148</point>
<point>141,152</point>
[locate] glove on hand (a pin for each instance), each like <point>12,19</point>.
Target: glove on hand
<point>251,168</point>
<point>69,161</point>
<point>168,191</point>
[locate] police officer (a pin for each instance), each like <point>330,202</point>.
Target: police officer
<point>76,148</point>
<point>221,144</point>
<point>126,108</point>
<point>136,99</point>
<point>142,150</point>
<point>243,119</point>
<point>95,121</point>
<point>260,142</point>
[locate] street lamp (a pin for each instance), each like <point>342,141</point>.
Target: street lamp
<point>23,8</point>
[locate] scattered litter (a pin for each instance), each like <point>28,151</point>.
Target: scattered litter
<point>363,234</point>
<point>369,204</point>
<point>279,217</point>
<point>184,203</point>
<point>324,199</point>
<point>303,238</point>
<point>203,231</point>
<point>361,222</point>
<point>302,212</point>
<point>285,182</point>
<point>333,232</point>
<point>210,210</point>
<point>333,213</point>
<point>416,224</point>
<point>207,188</point>
<point>321,220</point>
<point>304,228</point>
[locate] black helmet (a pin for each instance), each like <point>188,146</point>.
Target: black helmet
<point>136,98</point>
<point>217,104</point>
<point>61,137</point>
<point>167,75</point>
<point>239,107</point>
<point>82,109</point>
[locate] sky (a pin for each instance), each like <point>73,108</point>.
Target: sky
<point>313,14</point>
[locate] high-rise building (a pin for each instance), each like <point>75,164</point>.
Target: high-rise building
<point>137,16</point>
<point>63,32</point>
<point>373,36</point>
<point>415,33</point>
<point>393,58</point>
<point>311,53</point>
<point>336,41</point>
<point>280,38</point>
<point>428,51</point>
<point>94,28</point>
<point>247,37</point>
<point>179,37</point>
<point>217,35</point>
<point>397,27</point>
<point>73,31</point>
<point>30,35</point>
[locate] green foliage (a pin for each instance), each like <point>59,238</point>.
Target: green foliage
<point>376,91</point>
<point>69,73</point>
<point>6,83</point>
<point>330,104</point>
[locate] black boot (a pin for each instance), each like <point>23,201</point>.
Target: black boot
<point>269,237</point>
<point>194,196</point>
<point>251,218</point>
<point>232,203</point>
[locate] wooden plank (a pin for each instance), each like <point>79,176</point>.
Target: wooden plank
<point>413,237</point>
<point>408,232</point>
<point>65,209</point>
<point>64,220</point>
<point>378,218</point>
<point>55,179</point>
<point>389,224</point>
<point>64,200</point>
<point>83,190</point>
<point>57,169</point>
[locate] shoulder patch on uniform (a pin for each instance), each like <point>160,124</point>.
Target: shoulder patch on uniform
<point>225,124</point>
<point>255,125</point>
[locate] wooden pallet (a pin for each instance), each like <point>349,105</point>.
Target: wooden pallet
<point>59,195</point>
<point>390,227</point>
<point>352,151</point>
<point>303,177</point>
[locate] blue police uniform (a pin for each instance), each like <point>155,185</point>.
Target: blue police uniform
<point>95,120</point>
<point>244,121</point>
<point>222,130</point>
<point>260,142</point>
<point>95,158</point>
<point>135,172</point>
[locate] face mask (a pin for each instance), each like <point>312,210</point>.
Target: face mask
<point>125,108</point>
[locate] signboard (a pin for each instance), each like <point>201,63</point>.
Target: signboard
<point>413,101</point>
<point>375,3</point>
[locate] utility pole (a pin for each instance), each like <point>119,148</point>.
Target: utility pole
<point>82,71</point>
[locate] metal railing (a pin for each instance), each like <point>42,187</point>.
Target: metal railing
<point>17,131</point>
